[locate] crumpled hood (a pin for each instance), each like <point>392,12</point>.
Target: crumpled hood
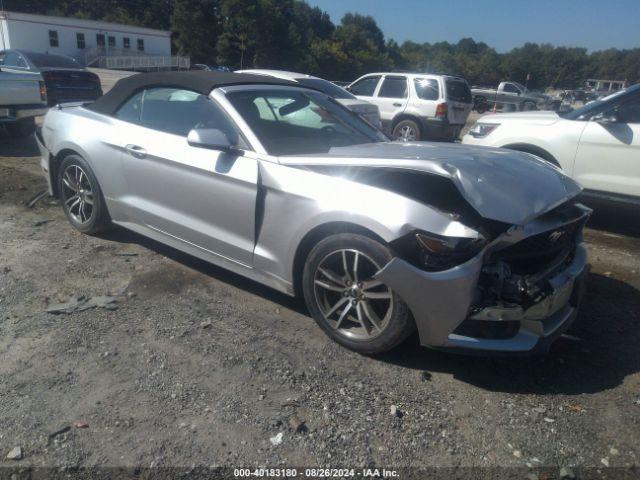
<point>504,185</point>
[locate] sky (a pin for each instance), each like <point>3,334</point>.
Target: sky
<point>502,24</point>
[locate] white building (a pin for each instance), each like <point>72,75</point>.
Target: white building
<point>90,42</point>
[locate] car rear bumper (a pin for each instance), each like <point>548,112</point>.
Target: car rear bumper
<point>440,129</point>
<point>15,113</point>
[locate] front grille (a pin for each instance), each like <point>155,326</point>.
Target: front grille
<point>543,245</point>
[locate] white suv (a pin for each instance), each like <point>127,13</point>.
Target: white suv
<point>416,106</point>
<point>598,145</point>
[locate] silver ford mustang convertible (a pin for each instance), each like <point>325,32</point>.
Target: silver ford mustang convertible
<point>475,248</point>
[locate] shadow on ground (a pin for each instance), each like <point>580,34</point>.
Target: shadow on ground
<point>599,352</point>
<point>17,147</point>
<point>614,218</point>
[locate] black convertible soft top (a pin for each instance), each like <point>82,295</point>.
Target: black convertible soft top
<point>197,80</point>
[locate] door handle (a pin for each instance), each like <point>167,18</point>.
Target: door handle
<point>397,104</point>
<point>136,151</point>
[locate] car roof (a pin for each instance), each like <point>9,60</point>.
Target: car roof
<point>286,75</point>
<point>196,80</point>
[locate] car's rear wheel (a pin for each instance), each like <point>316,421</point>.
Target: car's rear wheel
<point>528,106</point>
<point>22,128</point>
<point>348,303</point>
<point>406,131</point>
<point>81,197</point>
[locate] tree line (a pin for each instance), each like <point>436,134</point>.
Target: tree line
<point>292,35</point>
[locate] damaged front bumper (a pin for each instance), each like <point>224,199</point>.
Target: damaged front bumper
<point>448,312</point>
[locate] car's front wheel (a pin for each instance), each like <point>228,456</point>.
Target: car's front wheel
<point>348,303</point>
<point>81,197</point>
<point>406,131</point>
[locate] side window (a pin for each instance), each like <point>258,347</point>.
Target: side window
<point>427,88</point>
<point>22,63</point>
<point>629,112</point>
<point>365,87</point>
<point>393,87</point>
<point>175,111</point>
<point>11,59</point>
<point>510,88</point>
<point>130,110</point>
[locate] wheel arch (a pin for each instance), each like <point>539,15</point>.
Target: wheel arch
<point>54,166</point>
<point>407,116</point>
<point>316,234</point>
<point>533,149</point>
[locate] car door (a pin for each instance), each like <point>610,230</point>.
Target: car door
<point>608,154</point>
<point>201,197</point>
<point>392,98</point>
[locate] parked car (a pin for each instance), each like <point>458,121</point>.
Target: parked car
<point>367,110</point>
<point>415,106</point>
<point>598,145</point>
<point>23,97</point>
<point>477,248</point>
<point>511,93</point>
<point>209,68</point>
<point>65,79</point>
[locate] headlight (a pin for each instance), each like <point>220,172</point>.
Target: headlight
<point>442,253</point>
<point>481,130</point>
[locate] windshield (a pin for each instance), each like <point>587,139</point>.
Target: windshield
<point>325,86</point>
<point>297,122</point>
<point>42,60</point>
<point>597,106</point>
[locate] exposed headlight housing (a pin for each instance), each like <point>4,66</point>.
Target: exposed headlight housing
<point>442,253</point>
<point>481,130</point>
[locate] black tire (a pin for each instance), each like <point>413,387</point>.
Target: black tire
<point>397,323</point>
<point>529,106</point>
<point>87,220</point>
<point>22,128</point>
<point>406,131</point>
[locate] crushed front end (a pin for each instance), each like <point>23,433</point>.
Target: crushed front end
<point>517,294</point>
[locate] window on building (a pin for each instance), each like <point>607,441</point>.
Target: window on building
<point>80,41</point>
<point>141,44</point>
<point>100,40</point>
<point>53,38</point>
<point>112,42</point>
<point>126,43</point>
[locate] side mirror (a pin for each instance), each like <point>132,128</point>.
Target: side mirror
<point>606,118</point>
<point>210,138</point>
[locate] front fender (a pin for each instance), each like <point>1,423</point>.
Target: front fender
<point>298,200</point>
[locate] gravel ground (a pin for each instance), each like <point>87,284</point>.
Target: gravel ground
<point>193,366</point>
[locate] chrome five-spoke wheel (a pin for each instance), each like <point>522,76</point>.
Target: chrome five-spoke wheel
<point>353,302</point>
<point>77,193</point>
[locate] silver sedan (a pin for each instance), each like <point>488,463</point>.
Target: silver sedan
<point>475,248</point>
